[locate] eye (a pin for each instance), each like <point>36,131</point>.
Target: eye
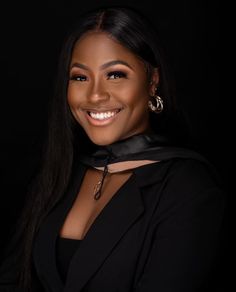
<point>116,75</point>
<point>77,77</point>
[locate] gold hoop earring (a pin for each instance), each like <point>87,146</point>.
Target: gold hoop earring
<point>158,108</point>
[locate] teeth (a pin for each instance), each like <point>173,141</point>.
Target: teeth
<point>102,116</point>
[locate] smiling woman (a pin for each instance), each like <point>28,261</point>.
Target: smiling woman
<point>121,202</point>
<point>109,89</point>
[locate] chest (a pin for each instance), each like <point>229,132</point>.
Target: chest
<point>85,208</point>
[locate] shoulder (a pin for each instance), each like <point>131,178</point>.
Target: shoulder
<point>192,180</point>
<point>184,171</point>
<point>181,178</point>
<point>180,170</point>
<point>193,173</point>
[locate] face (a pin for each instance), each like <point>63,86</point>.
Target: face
<point>108,91</point>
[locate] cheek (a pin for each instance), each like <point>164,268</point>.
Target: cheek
<point>134,96</point>
<point>70,96</point>
<point>73,98</point>
<point>74,101</point>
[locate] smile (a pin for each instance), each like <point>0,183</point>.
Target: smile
<point>102,118</point>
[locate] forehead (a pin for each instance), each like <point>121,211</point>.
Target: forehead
<point>98,47</point>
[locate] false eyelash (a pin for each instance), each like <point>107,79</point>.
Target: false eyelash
<point>120,74</point>
<point>76,76</point>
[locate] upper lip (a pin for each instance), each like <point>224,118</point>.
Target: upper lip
<point>102,109</point>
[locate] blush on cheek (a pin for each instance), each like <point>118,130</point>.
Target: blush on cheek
<point>72,95</point>
<point>69,101</point>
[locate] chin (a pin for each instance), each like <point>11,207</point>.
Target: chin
<point>102,141</point>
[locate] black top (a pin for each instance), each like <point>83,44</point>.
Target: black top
<point>65,249</point>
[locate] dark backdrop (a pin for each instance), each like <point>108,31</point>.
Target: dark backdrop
<point>31,38</point>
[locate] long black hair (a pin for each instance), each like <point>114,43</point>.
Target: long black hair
<point>64,136</point>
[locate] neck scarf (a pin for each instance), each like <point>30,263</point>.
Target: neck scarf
<point>133,152</point>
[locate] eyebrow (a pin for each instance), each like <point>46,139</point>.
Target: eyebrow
<point>103,66</point>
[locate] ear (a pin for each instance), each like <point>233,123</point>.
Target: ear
<point>154,81</point>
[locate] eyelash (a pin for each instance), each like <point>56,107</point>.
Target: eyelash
<point>76,77</point>
<point>117,75</point>
<point>120,74</point>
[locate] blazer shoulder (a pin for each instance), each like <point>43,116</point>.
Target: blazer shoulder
<point>194,171</point>
<point>189,179</point>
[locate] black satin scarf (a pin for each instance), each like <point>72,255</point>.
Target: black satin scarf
<point>137,147</point>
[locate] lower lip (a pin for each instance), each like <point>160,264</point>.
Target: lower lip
<point>101,122</point>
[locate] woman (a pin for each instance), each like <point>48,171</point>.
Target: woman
<point>121,203</point>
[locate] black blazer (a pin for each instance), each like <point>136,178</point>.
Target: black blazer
<point>159,233</point>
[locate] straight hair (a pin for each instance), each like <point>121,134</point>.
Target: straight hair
<point>65,138</point>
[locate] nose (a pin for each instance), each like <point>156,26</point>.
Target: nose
<point>98,92</point>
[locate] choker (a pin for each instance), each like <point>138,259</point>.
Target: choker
<point>130,153</point>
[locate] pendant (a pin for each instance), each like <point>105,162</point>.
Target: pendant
<point>98,187</point>
<point>97,190</point>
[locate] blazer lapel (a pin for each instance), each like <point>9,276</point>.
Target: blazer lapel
<point>115,219</point>
<point>108,228</point>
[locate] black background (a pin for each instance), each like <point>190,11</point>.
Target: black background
<point>31,37</point>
